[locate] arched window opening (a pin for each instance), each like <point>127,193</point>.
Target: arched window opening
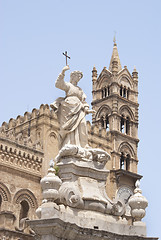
<point>107,122</point>
<point>105,92</point>
<point>24,209</point>
<point>0,202</point>
<point>128,162</point>
<point>122,161</point>
<point>102,122</point>
<point>102,93</point>
<point>127,126</point>
<point>124,92</point>
<point>108,89</point>
<point>125,161</point>
<point>122,125</point>
<point>121,91</point>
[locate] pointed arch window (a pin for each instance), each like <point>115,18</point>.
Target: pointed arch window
<point>104,120</point>
<point>125,125</point>
<point>125,161</point>
<point>105,92</point>
<point>124,92</point>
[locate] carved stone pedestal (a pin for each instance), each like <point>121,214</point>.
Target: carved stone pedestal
<point>76,206</point>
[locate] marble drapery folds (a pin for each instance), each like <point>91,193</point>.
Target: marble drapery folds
<point>71,111</point>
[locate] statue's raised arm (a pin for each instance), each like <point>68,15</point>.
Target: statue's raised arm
<point>60,83</point>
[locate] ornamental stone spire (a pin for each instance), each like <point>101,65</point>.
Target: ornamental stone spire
<point>115,58</point>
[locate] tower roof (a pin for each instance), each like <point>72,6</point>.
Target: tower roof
<point>115,56</point>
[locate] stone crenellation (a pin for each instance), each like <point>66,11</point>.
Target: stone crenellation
<point>19,130</point>
<point>44,109</point>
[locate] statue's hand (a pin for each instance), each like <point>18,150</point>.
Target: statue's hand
<point>65,69</point>
<point>88,111</point>
<point>91,111</point>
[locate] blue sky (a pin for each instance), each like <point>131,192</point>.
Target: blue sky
<point>33,35</point>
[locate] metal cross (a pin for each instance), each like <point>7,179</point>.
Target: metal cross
<point>65,54</point>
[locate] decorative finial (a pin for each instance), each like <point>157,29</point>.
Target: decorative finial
<point>94,73</point>
<point>138,203</point>
<point>134,69</point>
<point>114,38</point>
<point>135,74</point>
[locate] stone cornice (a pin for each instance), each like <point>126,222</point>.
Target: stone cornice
<point>122,172</point>
<point>123,135</point>
<point>16,145</point>
<point>117,96</point>
<point>19,159</point>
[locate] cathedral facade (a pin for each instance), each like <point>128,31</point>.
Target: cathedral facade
<point>29,142</point>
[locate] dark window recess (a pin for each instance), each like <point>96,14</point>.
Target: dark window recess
<point>107,122</point>
<point>105,92</point>
<point>124,93</point>
<point>122,161</point>
<point>127,126</point>
<point>24,209</point>
<point>121,91</point>
<point>128,162</point>
<point>102,122</point>
<point>102,93</point>
<point>122,125</point>
<point>125,162</point>
<point>108,89</point>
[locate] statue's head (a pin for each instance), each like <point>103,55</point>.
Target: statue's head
<point>75,77</point>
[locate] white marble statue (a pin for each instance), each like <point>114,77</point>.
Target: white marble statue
<point>71,110</point>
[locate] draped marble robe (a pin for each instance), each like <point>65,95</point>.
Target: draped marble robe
<point>71,114</point>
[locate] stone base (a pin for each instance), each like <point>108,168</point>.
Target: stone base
<point>87,219</point>
<point>56,229</point>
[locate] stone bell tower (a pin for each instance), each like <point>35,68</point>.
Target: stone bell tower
<point>115,100</point>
